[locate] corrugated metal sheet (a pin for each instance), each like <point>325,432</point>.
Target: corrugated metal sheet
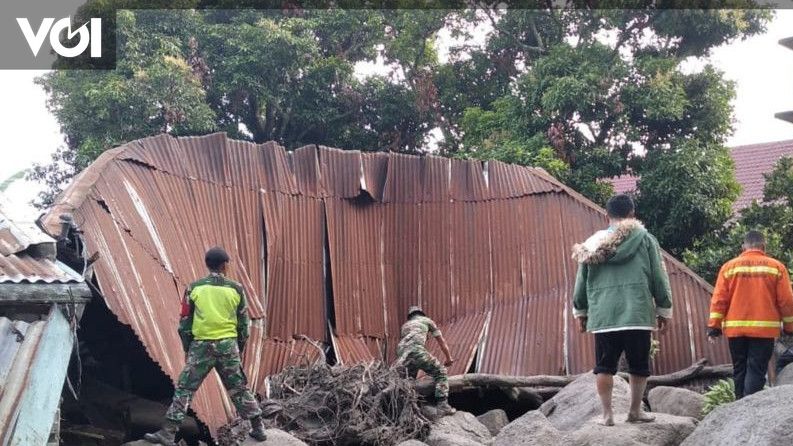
<point>33,362</point>
<point>327,238</point>
<point>24,268</point>
<point>357,349</point>
<point>27,254</point>
<point>463,336</point>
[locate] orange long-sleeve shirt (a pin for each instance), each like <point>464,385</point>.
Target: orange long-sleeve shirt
<point>753,297</point>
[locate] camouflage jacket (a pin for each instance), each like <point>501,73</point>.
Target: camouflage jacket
<point>414,333</point>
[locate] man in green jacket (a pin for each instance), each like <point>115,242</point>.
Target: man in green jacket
<point>213,327</point>
<point>621,292</point>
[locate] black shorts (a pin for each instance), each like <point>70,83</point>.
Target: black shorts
<point>610,345</point>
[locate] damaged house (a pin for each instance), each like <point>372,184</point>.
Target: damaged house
<point>41,300</point>
<point>334,245</point>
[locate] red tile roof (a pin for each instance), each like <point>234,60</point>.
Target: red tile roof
<point>624,184</point>
<point>751,162</point>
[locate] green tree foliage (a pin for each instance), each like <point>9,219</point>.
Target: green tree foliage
<point>773,217</point>
<point>284,75</point>
<point>703,188</point>
<point>610,92</point>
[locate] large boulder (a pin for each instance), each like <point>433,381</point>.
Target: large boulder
<point>763,418</point>
<point>461,425</point>
<point>785,377</point>
<point>666,430</point>
<point>676,401</point>
<point>494,420</point>
<point>531,429</point>
<point>412,443</point>
<point>436,439</point>
<point>578,402</point>
<point>275,437</point>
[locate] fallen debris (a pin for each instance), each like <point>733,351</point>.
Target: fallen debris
<point>367,404</point>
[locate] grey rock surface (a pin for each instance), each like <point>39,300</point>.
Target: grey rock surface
<point>531,429</point>
<point>494,420</point>
<point>764,418</point>
<point>436,439</point>
<point>461,424</point>
<point>412,443</point>
<point>578,402</point>
<point>666,430</point>
<point>785,377</point>
<point>275,437</point>
<point>676,401</point>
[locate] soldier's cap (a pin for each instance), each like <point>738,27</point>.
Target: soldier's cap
<point>215,257</point>
<point>415,309</point>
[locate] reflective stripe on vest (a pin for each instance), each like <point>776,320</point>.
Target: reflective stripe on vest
<point>769,324</point>
<point>752,270</point>
<point>716,316</point>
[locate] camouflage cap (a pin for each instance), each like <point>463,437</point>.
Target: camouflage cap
<point>415,309</point>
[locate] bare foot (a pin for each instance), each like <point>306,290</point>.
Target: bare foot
<point>608,420</point>
<point>641,417</point>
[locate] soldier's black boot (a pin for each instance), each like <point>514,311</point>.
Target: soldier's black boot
<point>165,436</point>
<point>257,429</point>
<point>444,408</point>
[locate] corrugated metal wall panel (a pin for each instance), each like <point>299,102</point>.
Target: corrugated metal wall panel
<point>341,172</point>
<point>352,349</point>
<point>305,163</point>
<point>435,261</point>
<point>355,241</point>
<point>295,229</point>
<point>435,176</point>
<point>403,180</point>
<point>375,171</point>
<point>467,181</point>
<point>462,336</point>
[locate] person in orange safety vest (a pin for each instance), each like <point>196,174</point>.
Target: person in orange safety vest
<point>750,303</point>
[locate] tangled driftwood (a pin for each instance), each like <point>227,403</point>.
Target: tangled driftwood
<point>363,404</point>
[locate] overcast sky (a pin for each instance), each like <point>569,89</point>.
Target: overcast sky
<point>761,68</point>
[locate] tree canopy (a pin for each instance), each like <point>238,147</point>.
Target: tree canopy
<point>586,94</point>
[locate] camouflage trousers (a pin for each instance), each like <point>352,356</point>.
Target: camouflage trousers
<point>224,356</point>
<point>418,358</point>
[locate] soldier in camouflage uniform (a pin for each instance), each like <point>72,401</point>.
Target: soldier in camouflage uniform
<point>412,353</point>
<point>213,327</point>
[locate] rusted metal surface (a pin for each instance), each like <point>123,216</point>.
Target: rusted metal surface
<point>326,238</point>
<point>27,254</point>
<point>33,361</point>
<point>357,349</point>
<point>463,336</point>
<point>24,268</point>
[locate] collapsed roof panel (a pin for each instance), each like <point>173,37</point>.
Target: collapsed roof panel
<point>322,237</point>
<point>33,362</point>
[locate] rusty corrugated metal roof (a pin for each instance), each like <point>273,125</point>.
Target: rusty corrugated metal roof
<point>327,238</point>
<point>24,268</point>
<point>27,254</point>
